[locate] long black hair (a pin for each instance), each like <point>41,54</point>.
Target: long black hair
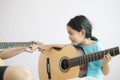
<point>81,22</point>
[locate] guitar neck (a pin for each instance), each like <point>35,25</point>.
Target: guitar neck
<point>92,57</point>
<point>6,45</point>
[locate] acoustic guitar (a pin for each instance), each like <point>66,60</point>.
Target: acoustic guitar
<point>65,63</point>
<point>7,45</point>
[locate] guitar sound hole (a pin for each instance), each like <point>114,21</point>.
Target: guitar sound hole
<point>64,64</point>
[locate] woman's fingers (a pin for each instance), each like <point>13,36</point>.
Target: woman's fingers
<point>107,58</point>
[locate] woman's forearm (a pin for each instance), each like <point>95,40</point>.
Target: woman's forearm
<point>58,45</point>
<point>107,58</point>
<point>105,69</point>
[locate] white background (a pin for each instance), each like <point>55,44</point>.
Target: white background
<point>45,21</point>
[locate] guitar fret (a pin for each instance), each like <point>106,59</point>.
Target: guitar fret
<point>87,58</point>
<point>27,44</point>
<point>15,44</point>
<point>103,53</point>
<point>78,61</point>
<point>109,51</point>
<point>113,52</point>
<point>82,59</point>
<point>106,51</point>
<point>24,44</point>
<point>100,55</point>
<point>9,44</point>
<point>96,56</point>
<point>116,50</point>
<point>90,57</point>
<point>75,62</point>
<point>71,62</point>
<point>5,45</point>
<point>18,44</point>
<point>93,56</point>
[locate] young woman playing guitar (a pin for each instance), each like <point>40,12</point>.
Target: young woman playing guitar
<point>80,34</point>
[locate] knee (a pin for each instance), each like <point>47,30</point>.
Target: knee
<point>17,73</point>
<point>25,73</point>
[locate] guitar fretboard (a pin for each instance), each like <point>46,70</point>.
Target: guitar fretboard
<point>92,57</point>
<point>6,45</point>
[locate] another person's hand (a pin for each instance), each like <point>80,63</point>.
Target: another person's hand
<point>34,47</point>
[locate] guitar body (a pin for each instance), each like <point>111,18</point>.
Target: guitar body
<point>1,61</point>
<point>50,67</point>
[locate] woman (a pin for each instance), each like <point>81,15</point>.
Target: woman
<point>80,33</point>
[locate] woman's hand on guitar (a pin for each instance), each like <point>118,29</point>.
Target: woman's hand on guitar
<point>44,48</point>
<point>107,58</point>
<point>34,47</point>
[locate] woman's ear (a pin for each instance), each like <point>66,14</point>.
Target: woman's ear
<point>83,33</point>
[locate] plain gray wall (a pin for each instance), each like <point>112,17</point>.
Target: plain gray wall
<point>45,21</point>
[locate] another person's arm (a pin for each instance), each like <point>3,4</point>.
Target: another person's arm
<point>8,53</point>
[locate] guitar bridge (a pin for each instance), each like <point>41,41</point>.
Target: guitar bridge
<point>48,69</point>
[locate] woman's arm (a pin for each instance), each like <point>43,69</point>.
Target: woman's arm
<point>58,45</point>
<point>45,48</point>
<point>106,67</point>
